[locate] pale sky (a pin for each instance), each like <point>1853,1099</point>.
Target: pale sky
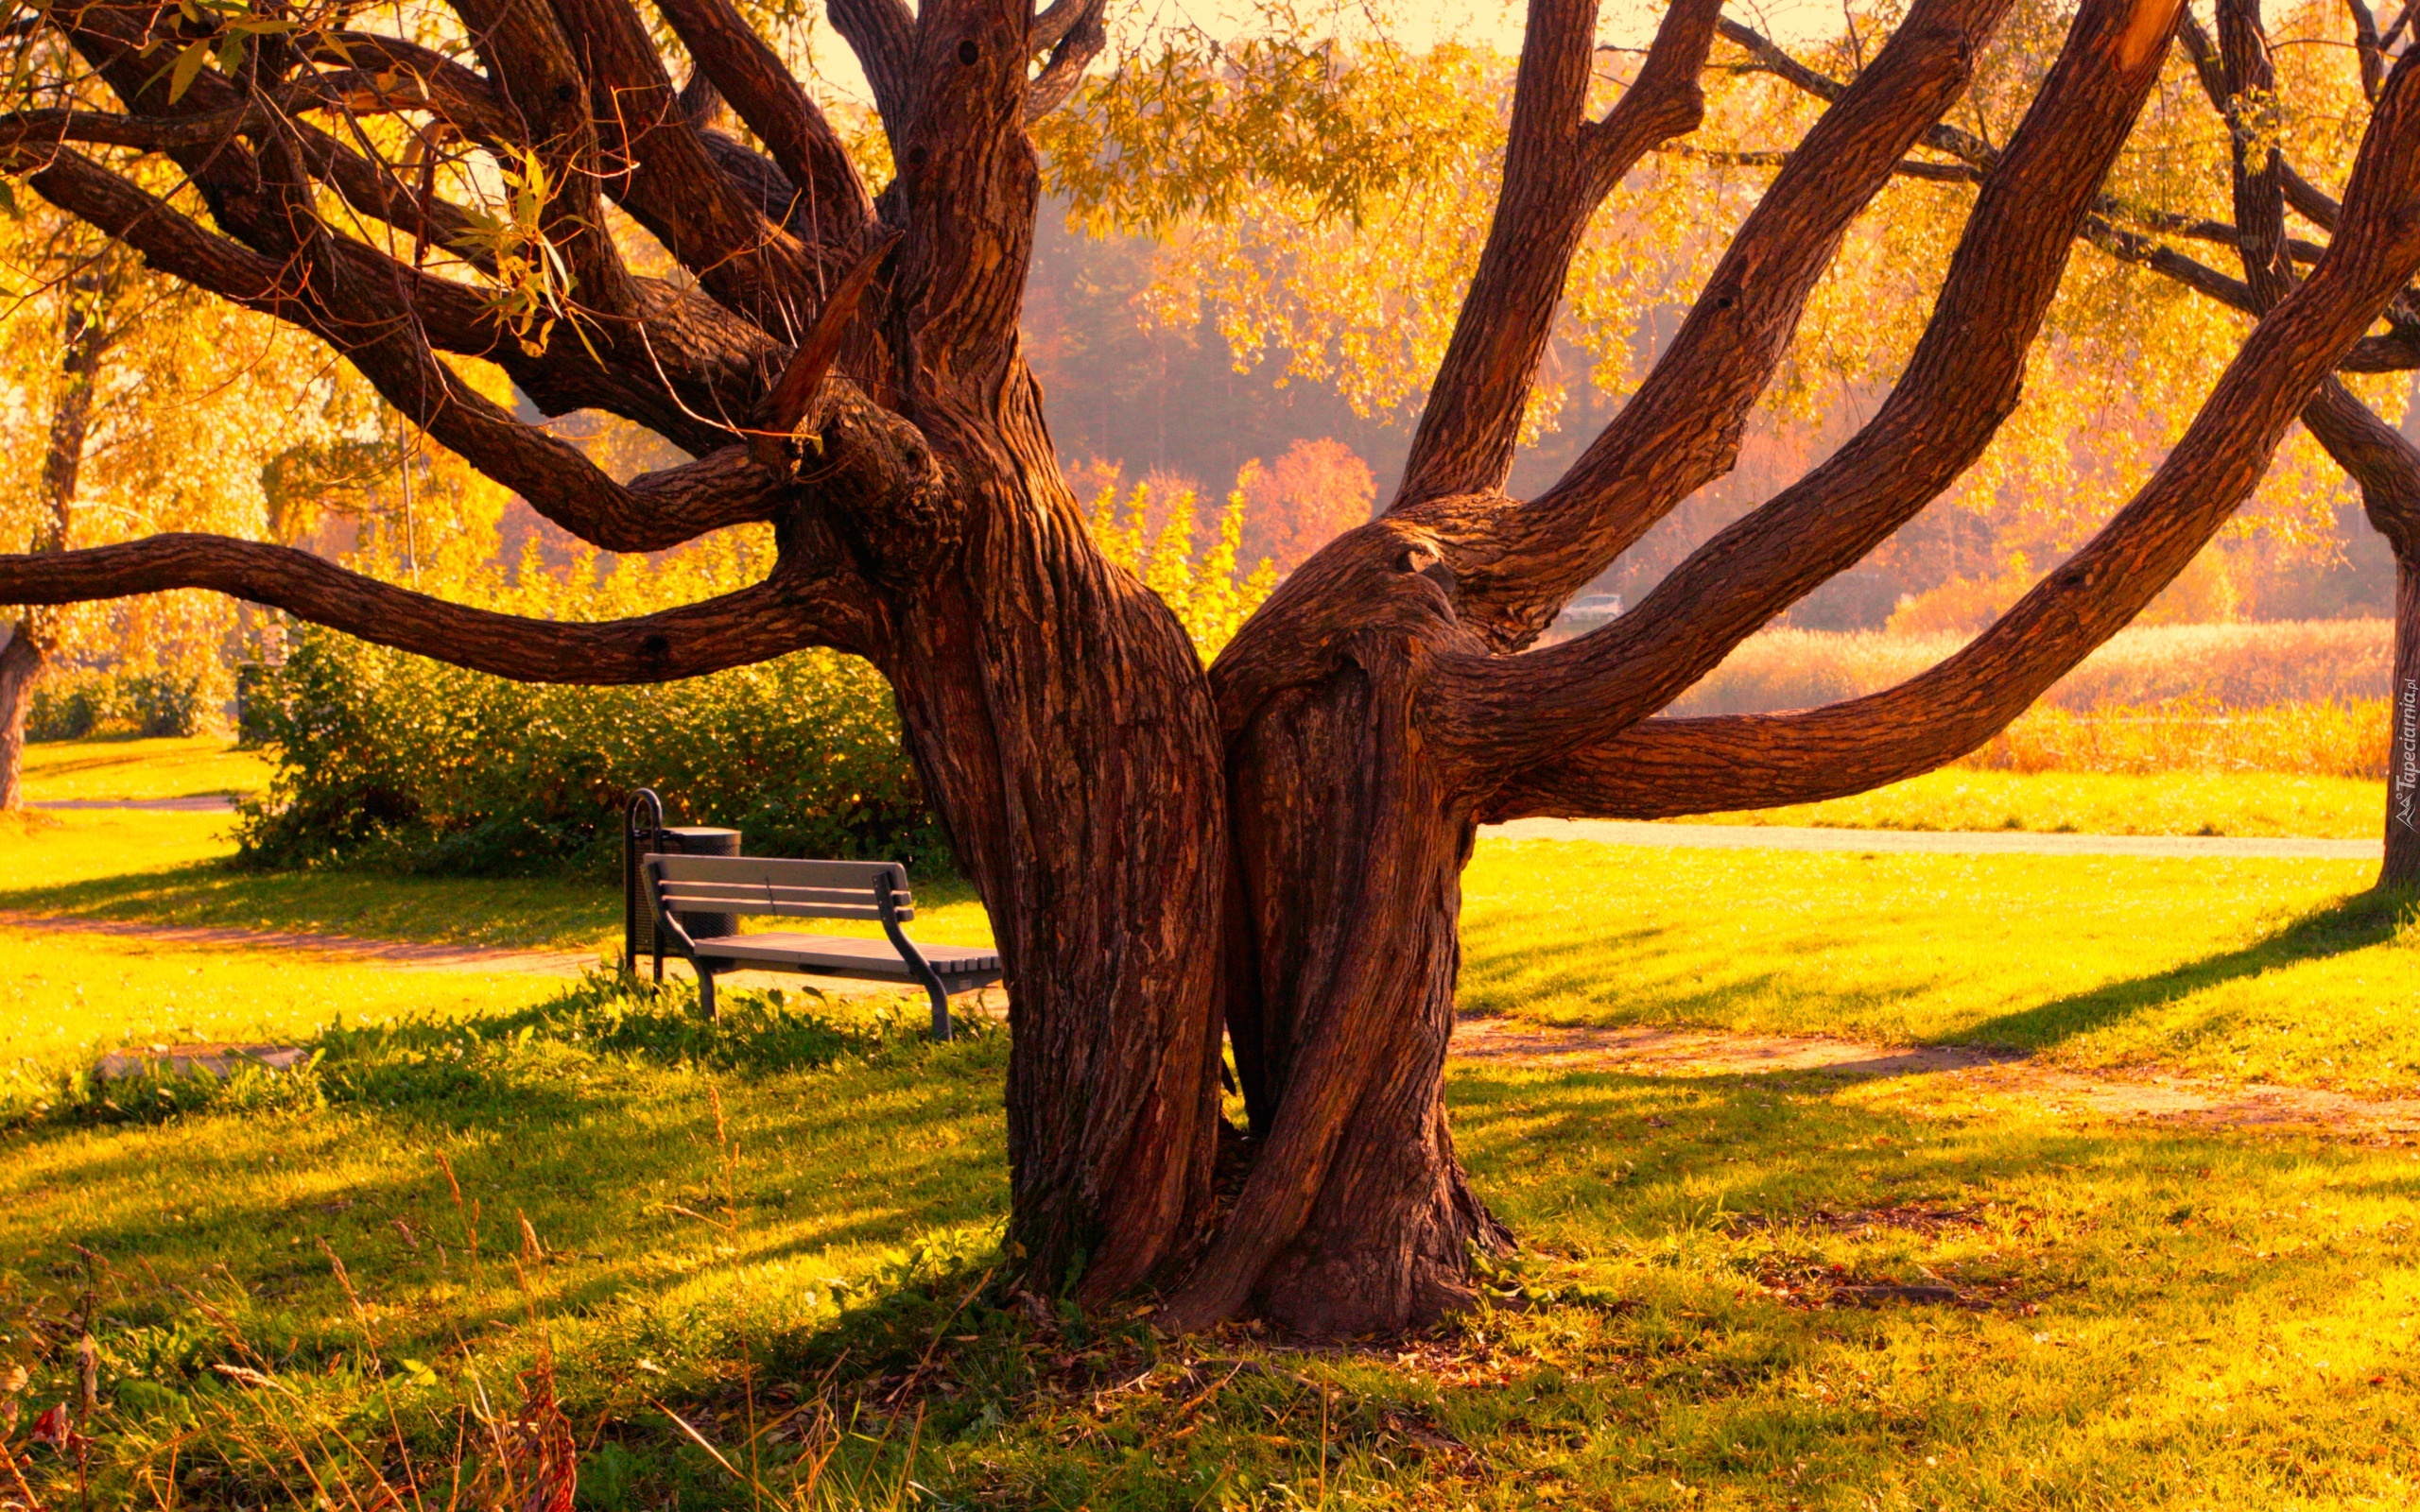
<point>1418,23</point>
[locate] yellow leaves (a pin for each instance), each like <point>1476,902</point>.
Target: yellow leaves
<point>1200,586</point>
<point>527,279</point>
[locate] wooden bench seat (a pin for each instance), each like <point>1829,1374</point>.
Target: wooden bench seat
<point>681,888</point>
<point>842,956</point>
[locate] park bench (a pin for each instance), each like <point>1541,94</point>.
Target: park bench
<point>716,891</point>
<point>682,887</point>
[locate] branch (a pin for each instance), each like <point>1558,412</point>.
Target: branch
<point>364,308</point>
<point>1694,766</point>
<point>531,65</point>
<point>1071,52</point>
<point>1681,427</point>
<point>779,615</point>
<point>1556,169</point>
<point>753,78</point>
<point>883,35</point>
<point>1960,384</point>
<point>660,170</point>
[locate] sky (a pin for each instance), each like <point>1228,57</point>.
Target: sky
<point>1418,23</point>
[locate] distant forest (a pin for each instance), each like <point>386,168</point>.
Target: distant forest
<point>1168,405</point>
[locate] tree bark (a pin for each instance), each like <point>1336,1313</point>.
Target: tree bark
<point>71,420</point>
<point>20,665</point>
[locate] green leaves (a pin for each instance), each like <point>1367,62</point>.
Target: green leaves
<point>219,30</point>
<point>530,280</point>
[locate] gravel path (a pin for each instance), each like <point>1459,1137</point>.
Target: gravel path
<point>1934,842</point>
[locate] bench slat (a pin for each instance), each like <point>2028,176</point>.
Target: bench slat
<point>775,871</point>
<point>843,955</point>
<point>787,903</point>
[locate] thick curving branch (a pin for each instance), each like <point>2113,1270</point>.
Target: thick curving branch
<point>759,86</point>
<point>1682,428</point>
<point>1960,385</point>
<point>658,166</point>
<point>389,345</point>
<point>781,614</point>
<point>1557,167</point>
<point>1663,766</point>
<point>1074,41</point>
<point>882,33</point>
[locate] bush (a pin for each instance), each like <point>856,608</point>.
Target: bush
<point>394,761</point>
<point>71,704</point>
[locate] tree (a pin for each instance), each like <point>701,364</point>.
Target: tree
<point>131,387</point>
<point>1276,844</point>
<point>2238,74</point>
<point>1307,498</point>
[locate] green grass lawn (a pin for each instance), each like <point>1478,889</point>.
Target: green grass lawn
<point>791,1213</point>
<point>174,766</point>
<point>2152,1320</point>
<point>2240,969</point>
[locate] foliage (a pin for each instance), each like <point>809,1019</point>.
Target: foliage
<point>2261,803</point>
<point>396,762</point>
<point>1295,506</point>
<point>1151,532</point>
<point>72,704</point>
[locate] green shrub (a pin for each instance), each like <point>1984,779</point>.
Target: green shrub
<point>391,761</point>
<point>72,703</point>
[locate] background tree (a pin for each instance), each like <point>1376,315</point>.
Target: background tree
<point>146,405</point>
<point>1278,843</point>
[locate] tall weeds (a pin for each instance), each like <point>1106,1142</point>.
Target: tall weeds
<point>2305,696</point>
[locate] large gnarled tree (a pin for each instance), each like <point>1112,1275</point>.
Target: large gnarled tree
<point>1272,846</point>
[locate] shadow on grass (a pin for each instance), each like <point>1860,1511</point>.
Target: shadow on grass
<point>523,913</point>
<point>2355,923</point>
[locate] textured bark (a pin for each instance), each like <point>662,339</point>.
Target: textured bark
<point>86,342</point>
<point>1279,842</point>
<point>20,665</point>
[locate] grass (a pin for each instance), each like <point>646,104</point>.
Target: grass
<point>2151,1319</point>
<point>171,869</point>
<point>2241,666</point>
<point>176,766</point>
<point>2263,805</point>
<point>2212,968</point>
<point>540,1190</point>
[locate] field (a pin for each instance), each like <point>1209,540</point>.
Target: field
<point>497,1190</point>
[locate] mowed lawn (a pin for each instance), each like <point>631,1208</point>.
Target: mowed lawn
<point>793,1215</point>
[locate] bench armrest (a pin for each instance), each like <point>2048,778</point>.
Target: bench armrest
<point>667,925</point>
<point>886,904</point>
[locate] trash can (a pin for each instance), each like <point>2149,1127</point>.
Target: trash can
<point>646,834</point>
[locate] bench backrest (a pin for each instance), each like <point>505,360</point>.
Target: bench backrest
<point>766,884</point>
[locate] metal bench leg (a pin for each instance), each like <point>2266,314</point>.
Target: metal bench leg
<point>940,1008</point>
<point>706,993</point>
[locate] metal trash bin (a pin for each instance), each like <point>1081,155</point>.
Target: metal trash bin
<point>644,834</point>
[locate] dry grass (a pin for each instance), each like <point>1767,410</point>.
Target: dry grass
<point>2237,666</point>
<point>2330,737</point>
<point>2305,696</point>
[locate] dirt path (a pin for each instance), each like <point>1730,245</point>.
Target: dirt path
<point>1933,842</point>
<point>2147,1094</point>
<point>193,803</point>
<point>403,953</point>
